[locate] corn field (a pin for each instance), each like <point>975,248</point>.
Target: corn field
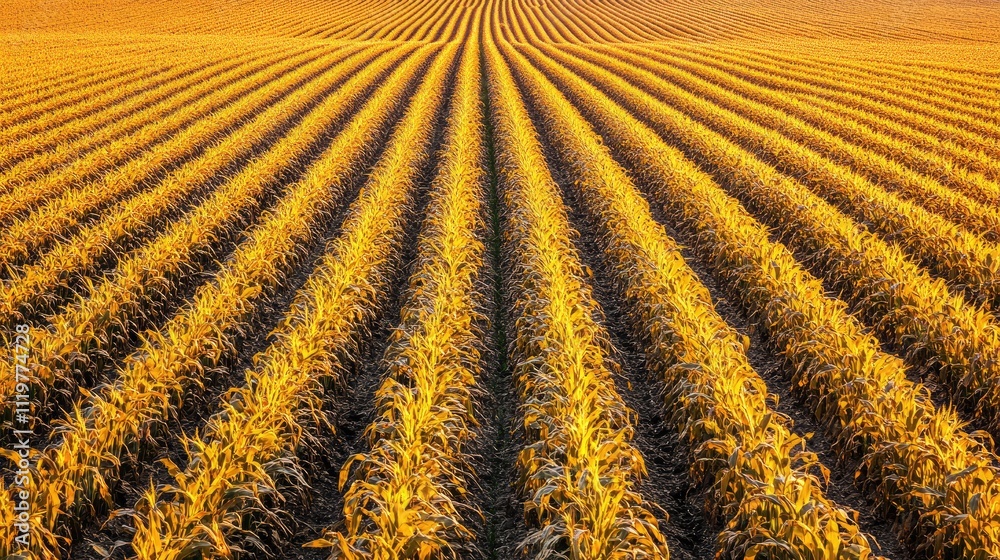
<point>500,279</point>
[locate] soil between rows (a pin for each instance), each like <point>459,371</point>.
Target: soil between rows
<point>193,153</point>
<point>502,527</point>
<point>921,366</point>
<point>77,287</point>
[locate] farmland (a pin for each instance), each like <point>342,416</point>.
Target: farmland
<point>500,279</point>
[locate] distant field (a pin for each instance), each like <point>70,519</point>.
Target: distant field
<point>575,21</point>
<point>490,279</point>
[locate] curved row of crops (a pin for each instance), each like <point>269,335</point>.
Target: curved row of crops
<point>219,251</point>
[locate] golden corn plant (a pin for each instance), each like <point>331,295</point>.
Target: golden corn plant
<point>67,197</point>
<point>967,154</point>
<point>929,85</point>
<point>764,486</point>
<point>961,257</point>
<point>54,79</point>
<point>79,339</point>
<point>927,28</point>
<point>52,86</point>
<point>60,145</point>
<point>64,145</point>
<point>138,156</point>
<point>235,462</point>
<point>909,449</point>
<point>406,495</point>
<point>579,469</point>
<point>74,477</point>
<point>59,81</point>
<point>952,172</point>
<point>932,116</point>
<point>56,139</point>
<point>972,117</point>
<point>793,81</point>
<point>21,129</point>
<point>903,303</point>
<point>855,166</point>
<point>38,286</point>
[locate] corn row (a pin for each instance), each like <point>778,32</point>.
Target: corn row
<point>129,111</point>
<point>918,464</point>
<point>405,493</point>
<point>915,87</point>
<point>77,475</point>
<point>579,469</point>
<point>948,84</point>
<point>905,305</point>
<point>764,485</point>
<point>952,252</point>
<point>44,82</point>
<point>924,191</point>
<point>952,172</point>
<point>936,106</point>
<point>39,286</point>
<point>80,188</point>
<point>975,101</point>
<point>65,144</point>
<point>67,68</point>
<point>33,91</point>
<point>790,82</point>
<point>969,153</point>
<point>87,334</point>
<point>952,79</point>
<point>22,139</point>
<point>929,25</point>
<point>968,79</point>
<point>67,206</point>
<point>259,428</point>
<point>37,117</point>
<point>932,112</point>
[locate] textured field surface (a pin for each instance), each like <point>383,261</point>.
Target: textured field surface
<point>498,279</point>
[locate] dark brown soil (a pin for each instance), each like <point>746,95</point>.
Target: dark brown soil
<point>770,367</point>
<point>195,150</point>
<point>499,440</point>
<point>676,504</point>
<point>353,411</point>
<point>304,512</point>
<point>922,366</point>
<point>321,509</point>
